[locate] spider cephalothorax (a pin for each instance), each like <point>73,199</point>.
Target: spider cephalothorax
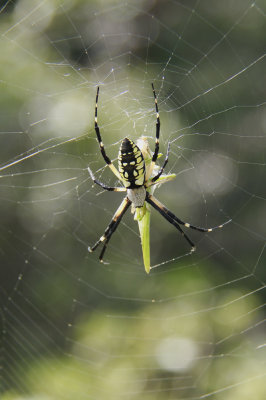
<point>138,173</point>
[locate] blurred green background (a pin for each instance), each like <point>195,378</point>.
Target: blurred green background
<point>70,326</point>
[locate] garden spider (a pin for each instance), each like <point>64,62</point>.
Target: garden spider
<point>139,173</point>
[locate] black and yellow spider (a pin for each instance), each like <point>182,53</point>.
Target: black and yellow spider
<point>139,174</point>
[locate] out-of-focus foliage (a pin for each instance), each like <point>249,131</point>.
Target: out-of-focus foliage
<point>157,352</point>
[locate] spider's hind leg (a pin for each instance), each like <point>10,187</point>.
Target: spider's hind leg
<point>158,124</point>
<point>99,138</point>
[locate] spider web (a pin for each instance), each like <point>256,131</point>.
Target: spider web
<point>71,327</point>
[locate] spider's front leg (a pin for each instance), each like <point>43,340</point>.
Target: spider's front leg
<point>174,220</point>
<point>169,216</point>
<point>111,227</point>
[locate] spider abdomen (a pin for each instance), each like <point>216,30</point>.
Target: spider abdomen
<point>131,164</point>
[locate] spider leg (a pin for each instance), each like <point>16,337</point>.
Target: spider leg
<point>156,177</point>
<point>156,151</point>
<point>105,187</point>
<point>161,180</point>
<point>111,227</point>
<point>186,224</point>
<point>198,228</point>
<point>168,216</point>
<point>99,138</point>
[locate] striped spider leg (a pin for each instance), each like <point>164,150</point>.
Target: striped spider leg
<point>174,220</point>
<point>99,138</point>
<point>105,187</point>
<point>111,227</point>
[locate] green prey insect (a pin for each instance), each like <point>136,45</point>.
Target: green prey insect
<point>139,174</point>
